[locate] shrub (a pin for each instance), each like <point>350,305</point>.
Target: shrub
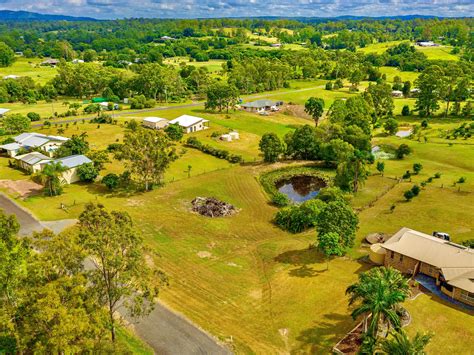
<point>402,150</point>
<point>111,181</point>
<point>114,147</point>
<point>437,175</point>
<point>407,175</point>
<point>87,172</point>
<point>391,126</point>
<point>415,190</point>
<point>297,218</point>
<point>280,200</point>
<point>406,110</point>
<point>424,124</point>
<point>329,85</point>
<point>175,132</point>
<point>462,180</point>
<point>408,195</point>
<point>193,142</point>
<point>33,116</point>
<point>417,167</point>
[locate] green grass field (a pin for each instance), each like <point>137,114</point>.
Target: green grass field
<point>256,287</point>
<point>30,67</point>
<point>432,53</point>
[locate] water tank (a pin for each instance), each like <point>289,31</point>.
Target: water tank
<point>377,254</point>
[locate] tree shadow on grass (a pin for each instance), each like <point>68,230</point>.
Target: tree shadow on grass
<point>323,336</point>
<point>302,259</point>
<point>103,191</point>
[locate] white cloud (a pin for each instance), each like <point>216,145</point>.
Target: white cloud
<point>242,8</point>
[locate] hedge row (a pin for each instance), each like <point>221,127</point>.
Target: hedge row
<point>193,142</point>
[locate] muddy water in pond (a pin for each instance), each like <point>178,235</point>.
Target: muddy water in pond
<point>300,188</point>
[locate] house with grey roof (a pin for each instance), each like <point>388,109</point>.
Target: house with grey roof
<point>32,162</point>
<point>30,141</point>
<point>262,105</point>
<point>35,162</point>
<point>72,163</point>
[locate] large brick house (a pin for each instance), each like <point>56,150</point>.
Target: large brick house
<point>450,265</point>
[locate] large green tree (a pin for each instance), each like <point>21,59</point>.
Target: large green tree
<point>430,84</point>
<point>120,276</point>
<point>147,154</point>
<point>221,96</point>
<point>16,123</point>
<point>271,147</point>
<point>51,177</point>
<point>338,217</point>
<point>7,56</point>
<point>382,98</point>
<point>315,108</point>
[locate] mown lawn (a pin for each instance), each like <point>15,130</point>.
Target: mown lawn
<point>30,67</point>
<point>256,284</point>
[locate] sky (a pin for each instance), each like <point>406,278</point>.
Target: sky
<point>111,9</point>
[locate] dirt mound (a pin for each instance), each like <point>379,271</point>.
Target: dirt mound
<point>212,207</point>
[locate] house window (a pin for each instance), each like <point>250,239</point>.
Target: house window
<point>392,254</point>
<point>467,296</point>
<point>401,257</point>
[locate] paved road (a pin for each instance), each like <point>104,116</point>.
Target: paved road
<point>28,223</point>
<point>165,331</point>
<point>169,333</point>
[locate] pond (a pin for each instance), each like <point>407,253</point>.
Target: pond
<point>300,188</point>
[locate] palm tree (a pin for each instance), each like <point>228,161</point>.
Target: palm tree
<point>400,344</point>
<point>51,178</point>
<point>380,292</point>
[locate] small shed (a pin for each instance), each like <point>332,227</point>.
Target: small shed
<point>397,93</point>
<point>226,138</point>
<point>377,254</point>
<point>3,111</point>
<point>234,135</point>
<point>155,122</point>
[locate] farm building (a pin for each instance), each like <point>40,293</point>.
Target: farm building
<point>51,62</point>
<point>438,264</point>
<point>3,111</point>
<point>262,105</point>
<point>11,76</point>
<point>427,44</point>
<point>155,122</point>
<point>191,123</point>
<point>28,141</point>
<point>397,93</point>
<point>229,137</point>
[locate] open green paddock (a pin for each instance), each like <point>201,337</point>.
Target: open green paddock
<point>30,67</point>
<point>241,277</point>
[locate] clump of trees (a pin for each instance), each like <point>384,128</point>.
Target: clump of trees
<point>72,308</point>
<point>146,154</point>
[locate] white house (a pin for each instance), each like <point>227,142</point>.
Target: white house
<point>72,163</point>
<point>11,76</point>
<point>76,61</point>
<point>155,122</point>
<point>191,123</point>
<point>35,162</point>
<point>32,162</point>
<point>28,141</point>
<point>3,111</point>
<point>397,93</point>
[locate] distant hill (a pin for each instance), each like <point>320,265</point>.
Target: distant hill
<point>7,15</point>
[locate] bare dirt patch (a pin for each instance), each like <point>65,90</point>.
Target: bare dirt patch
<point>295,110</point>
<point>22,187</point>
<point>204,254</point>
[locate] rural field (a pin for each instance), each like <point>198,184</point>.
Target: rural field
<point>251,284</point>
<point>244,278</point>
